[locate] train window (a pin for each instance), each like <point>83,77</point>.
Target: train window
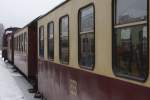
<point>22,42</point>
<point>14,43</point>
<point>25,41</point>
<point>86,49</point>
<point>130,11</point>
<point>41,41</point>
<point>19,43</point>
<point>50,29</point>
<point>64,40</point>
<point>130,41</point>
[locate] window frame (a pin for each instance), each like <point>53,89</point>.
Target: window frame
<point>79,29</point>
<point>51,22</point>
<point>39,38</point>
<point>66,63</point>
<point>114,38</point>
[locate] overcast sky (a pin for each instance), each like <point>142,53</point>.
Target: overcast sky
<point>20,12</point>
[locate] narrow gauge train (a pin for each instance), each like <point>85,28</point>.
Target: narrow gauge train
<point>95,50</point>
<point>7,44</point>
<point>25,51</point>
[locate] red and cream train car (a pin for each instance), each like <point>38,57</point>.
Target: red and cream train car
<point>10,52</point>
<point>25,50</point>
<point>8,43</point>
<point>95,50</point>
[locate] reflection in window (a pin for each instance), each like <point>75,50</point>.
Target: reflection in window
<point>86,37</point>
<point>41,41</point>
<point>130,42</point>
<point>64,40</point>
<point>87,18</point>
<point>132,51</point>
<point>130,11</point>
<point>51,40</point>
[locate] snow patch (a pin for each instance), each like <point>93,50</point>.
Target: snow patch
<point>8,87</point>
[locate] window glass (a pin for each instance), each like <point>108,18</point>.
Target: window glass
<point>86,37</point>
<point>130,42</point>
<point>22,42</point>
<point>41,41</point>
<point>10,41</point>
<point>51,40</point>
<point>64,40</point>
<point>130,11</point>
<point>25,39</point>
<point>132,51</point>
<point>19,43</point>
<point>87,18</point>
<point>14,43</point>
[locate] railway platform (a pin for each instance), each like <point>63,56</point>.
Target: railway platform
<point>13,86</point>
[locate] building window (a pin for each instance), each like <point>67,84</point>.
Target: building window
<point>64,40</point>
<point>50,29</point>
<point>130,39</point>
<point>86,49</point>
<point>41,41</point>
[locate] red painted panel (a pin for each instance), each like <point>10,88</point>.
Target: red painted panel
<point>57,82</point>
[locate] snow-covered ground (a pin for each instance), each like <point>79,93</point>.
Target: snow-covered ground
<point>8,86</point>
<point>13,86</point>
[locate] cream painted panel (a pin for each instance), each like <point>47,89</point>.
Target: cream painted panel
<point>106,69</point>
<point>74,36</point>
<point>103,35</point>
<point>23,30</point>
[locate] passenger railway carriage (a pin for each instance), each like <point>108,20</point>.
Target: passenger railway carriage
<point>86,50</point>
<point>25,50</point>
<point>7,46</point>
<point>95,50</point>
